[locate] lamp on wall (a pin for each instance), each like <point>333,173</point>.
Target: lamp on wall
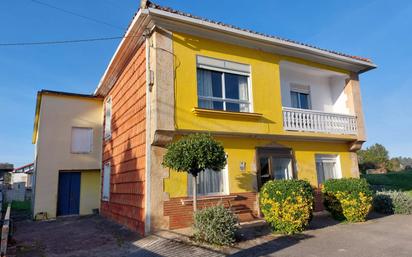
<point>242,166</point>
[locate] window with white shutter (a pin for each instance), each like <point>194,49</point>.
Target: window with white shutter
<point>106,181</point>
<point>108,118</point>
<point>82,140</point>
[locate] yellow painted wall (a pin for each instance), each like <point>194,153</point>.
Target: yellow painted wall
<point>89,191</point>
<point>239,150</point>
<point>58,114</point>
<point>265,80</point>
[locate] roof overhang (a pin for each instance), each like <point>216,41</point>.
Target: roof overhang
<point>202,28</point>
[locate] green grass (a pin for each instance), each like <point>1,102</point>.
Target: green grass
<point>19,205</point>
<point>401,180</point>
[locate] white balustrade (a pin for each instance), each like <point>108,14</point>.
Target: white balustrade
<point>316,121</point>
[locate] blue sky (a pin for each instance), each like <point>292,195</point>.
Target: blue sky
<point>376,29</point>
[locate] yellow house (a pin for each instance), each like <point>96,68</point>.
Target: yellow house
<point>281,109</point>
<point>67,137</point>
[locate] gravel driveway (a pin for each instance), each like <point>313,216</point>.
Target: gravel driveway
<point>95,236</point>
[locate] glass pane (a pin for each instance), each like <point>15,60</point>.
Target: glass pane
<point>295,101</point>
<point>244,107</point>
<point>304,101</point>
<point>329,170</point>
<point>209,104</point>
<point>264,170</point>
<point>320,173</point>
<point>209,83</point>
<point>208,182</point>
<point>281,168</point>
<point>231,86</point>
<point>233,107</point>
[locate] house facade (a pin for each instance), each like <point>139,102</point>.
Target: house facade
<point>67,137</point>
<point>281,110</point>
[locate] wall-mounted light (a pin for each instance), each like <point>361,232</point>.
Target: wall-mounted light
<point>242,166</point>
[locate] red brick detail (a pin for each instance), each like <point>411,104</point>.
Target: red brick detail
<point>180,216</point>
<point>318,200</point>
<point>126,148</point>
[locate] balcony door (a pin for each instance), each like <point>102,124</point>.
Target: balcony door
<point>274,163</point>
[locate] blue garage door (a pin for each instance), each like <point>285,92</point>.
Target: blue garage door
<point>69,193</point>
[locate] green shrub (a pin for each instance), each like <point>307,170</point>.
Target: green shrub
<point>287,205</point>
<point>215,225</point>
<point>392,202</point>
<point>347,198</point>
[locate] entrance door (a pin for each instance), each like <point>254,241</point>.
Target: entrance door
<point>274,163</point>
<point>69,193</point>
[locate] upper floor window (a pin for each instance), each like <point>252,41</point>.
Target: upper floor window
<point>223,85</point>
<point>300,96</point>
<point>108,118</point>
<point>82,140</point>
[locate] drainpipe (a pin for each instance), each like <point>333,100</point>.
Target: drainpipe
<point>148,147</point>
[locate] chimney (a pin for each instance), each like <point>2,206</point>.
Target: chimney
<point>143,4</point>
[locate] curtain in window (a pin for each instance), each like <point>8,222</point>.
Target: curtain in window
<point>208,182</point>
<point>243,93</point>
<point>326,170</point>
<point>204,88</point>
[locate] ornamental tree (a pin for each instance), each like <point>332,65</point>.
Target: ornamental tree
<point>193,154</point>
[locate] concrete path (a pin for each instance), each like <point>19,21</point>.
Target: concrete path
<point>95,236</point>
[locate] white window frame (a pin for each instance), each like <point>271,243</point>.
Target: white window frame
<point>329,158</point>
<point>213,64</point>
<point>108,119</point>
<point>106,181</point>
<point>91,140</point>
<point>300,89</point>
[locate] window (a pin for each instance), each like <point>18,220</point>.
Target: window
<point>82,140</point>
<point>106,181</point>
<point>327,167</point>
<point>223,85</point>
<point>209,182</point>
<point>300,96</point>
<point>108,119</point>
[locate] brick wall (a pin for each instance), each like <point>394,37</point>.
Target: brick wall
<point>180,216</point>
<point>126,148</point>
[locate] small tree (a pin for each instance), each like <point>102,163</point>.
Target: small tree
<point>194,154</point>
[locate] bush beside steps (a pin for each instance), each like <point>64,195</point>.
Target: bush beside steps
<point>215,225</point>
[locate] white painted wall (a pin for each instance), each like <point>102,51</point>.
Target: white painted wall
<point>326,87</point>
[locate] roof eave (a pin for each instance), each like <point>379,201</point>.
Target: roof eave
<point>358,65</point>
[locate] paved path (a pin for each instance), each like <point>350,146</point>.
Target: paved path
<point>95,236</point>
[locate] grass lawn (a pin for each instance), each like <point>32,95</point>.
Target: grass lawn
<point>19,205</point>
<point>401,180</point>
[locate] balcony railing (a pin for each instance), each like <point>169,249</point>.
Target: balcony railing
<point>316,121</point>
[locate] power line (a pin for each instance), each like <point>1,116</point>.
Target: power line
<point>63,41</point>
<point>77,14</point>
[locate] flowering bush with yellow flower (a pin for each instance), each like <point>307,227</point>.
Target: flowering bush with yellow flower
<point>347,198</point>
<point>287,205</point>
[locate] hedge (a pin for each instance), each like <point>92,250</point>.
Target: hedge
<point>287,205</point>
<point>347,198</point>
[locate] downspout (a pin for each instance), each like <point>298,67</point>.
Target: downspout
<point>148,148</point>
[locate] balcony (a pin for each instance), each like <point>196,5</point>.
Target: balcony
<point>316,121</point>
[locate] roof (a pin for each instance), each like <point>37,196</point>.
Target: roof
<point>150,4</point>
<point>54,93</point>
<point>30,167</point>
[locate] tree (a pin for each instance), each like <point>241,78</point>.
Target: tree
<point>193,154</point>
<point>375,156</point>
